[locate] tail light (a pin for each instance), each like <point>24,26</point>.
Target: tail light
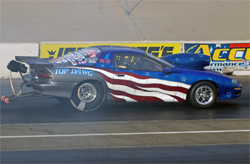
<point>43,74</point>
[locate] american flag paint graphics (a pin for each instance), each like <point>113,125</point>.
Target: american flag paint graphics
<point>135,88</point>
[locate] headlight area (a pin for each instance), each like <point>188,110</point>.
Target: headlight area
<point>237,89</point>
<point>234,81</point>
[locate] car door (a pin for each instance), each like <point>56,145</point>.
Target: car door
<point>140,79</point>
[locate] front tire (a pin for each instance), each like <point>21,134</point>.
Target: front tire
<point>203,95</point>
<point>87,96</point>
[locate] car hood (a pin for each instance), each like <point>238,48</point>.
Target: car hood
<point>188,60</point>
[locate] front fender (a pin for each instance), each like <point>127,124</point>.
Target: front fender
<point>223,83</point>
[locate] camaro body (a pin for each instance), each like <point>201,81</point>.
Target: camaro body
<point>127,74</point>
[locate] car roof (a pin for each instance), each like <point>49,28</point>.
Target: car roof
<point>121,49</point>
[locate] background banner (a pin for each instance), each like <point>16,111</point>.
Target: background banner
<point>157,49</point>
<point>222,54</point>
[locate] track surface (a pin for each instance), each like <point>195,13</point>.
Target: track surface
<point>46,131</point>
<point>52,111</point>
<point>181,154</point>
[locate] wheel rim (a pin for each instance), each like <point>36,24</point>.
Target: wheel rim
<point>87,92</point>
<point>204,95</point>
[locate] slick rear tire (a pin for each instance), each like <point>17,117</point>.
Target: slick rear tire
<point>87,96</point>
<point>203,95</point>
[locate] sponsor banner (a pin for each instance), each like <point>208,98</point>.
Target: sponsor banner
<point>222,55</point>
<point>157,49</point>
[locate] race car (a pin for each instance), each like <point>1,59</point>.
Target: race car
<point>89,76</point>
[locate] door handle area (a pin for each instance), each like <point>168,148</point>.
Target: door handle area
<point>120,75</point>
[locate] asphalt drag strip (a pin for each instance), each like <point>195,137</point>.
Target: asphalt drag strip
<point>123,134</point>
<point>172,154</point>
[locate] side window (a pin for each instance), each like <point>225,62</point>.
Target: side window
<point>135,62</point>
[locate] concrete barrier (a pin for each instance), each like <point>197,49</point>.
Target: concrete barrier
<point>8,51</point>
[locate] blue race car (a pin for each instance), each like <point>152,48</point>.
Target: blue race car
<point>89,76</point>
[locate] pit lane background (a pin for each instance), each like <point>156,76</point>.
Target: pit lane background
<point>234,54</point>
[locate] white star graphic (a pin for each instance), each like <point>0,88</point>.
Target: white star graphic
<point>209,78</point>
<point>176,59</point>
<point>218,45</point>
<point>183,79</point>
<point>192,59</point>
<point>201,55</point>
<point>229,94</point>
<point>102,65</point>
<point>147,74</point>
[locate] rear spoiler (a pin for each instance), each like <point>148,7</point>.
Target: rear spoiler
<point>23,58</point>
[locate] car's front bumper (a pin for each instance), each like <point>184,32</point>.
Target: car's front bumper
<point>229,92</point>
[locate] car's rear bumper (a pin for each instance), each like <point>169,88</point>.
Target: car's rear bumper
<point>54,89</point>
<point>57,89</point>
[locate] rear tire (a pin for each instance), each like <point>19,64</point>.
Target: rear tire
<point>87,96</point>
<point>203,95</point>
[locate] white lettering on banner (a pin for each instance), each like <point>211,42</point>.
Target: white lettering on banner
<point>220,64</point>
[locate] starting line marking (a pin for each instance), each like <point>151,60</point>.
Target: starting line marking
<point>123,134</point>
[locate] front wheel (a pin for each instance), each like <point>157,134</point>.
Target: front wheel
<point>203,95</point>
<point>87,96</point>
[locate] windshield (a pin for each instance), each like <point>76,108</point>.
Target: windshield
<point>85,56</point>
<point>165,63</point>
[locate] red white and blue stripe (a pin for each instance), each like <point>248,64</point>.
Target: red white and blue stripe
<point>135,88</point>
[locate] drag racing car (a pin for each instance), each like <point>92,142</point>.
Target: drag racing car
<point>89,76</point>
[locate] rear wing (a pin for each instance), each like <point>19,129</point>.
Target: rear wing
<point>34,62</point>
<point>23,58</point>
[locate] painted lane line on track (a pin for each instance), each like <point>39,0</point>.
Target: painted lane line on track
<point>123,134</point>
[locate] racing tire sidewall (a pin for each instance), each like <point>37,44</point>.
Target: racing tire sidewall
<point>93,105</point>
<point>192,95</point>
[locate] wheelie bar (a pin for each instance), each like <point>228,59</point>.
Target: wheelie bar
<point>24,96</point>
<point>5,99</point>
<point>14,67</point>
